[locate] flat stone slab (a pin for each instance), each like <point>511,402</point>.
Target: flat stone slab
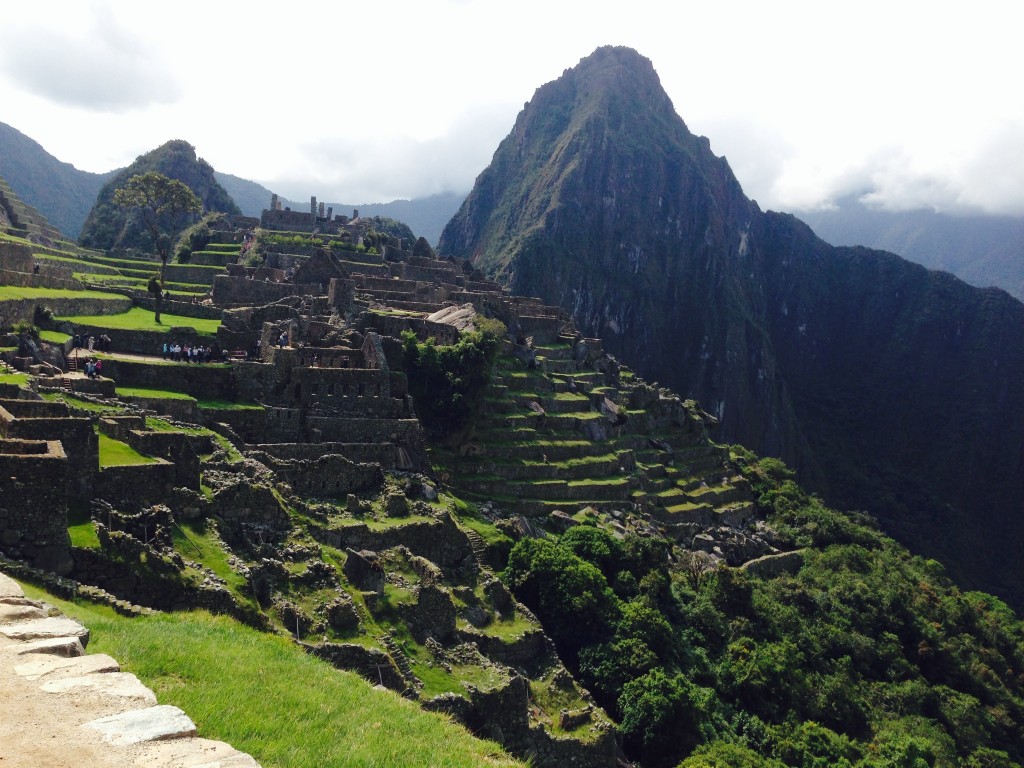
<point>18,614</point>
<point>118,685</point>
<point>39,629</point>
<point>10,588</point>
<point>193,753</point>
<point>55,646</point>
<point>67,667</point>
<point>140,725</point>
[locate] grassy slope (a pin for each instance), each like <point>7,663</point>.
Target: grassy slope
<point>296,711</point>
<point>138,319</point>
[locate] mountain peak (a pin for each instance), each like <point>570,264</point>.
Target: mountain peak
<point>602,202</point>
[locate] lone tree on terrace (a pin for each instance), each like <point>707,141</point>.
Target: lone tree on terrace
<point>160,201</point>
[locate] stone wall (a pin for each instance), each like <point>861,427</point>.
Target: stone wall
<point>202,380</point>
<point>231,291</point>
<point>440,541</point>
<point>15,257</point>
<point>42,280</point>
<point>176,447</point>
<point>17,310</point>
<point>328,476</point>
<point>33,503</point>
<point>76,435</point>
<point>139,342</point>
<point>249,423</point>
<point>137,484</point>
<point>363,453</point>
<point>371,663</point>
<point>181,308</point>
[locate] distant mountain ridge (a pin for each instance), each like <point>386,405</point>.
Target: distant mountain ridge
<point>65,195</point>
<point>891,388</point>
<point>980,250</point>
<point>61,192</point>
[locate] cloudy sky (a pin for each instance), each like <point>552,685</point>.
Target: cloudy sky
<point>912,104</point>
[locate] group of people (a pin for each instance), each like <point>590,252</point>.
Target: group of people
<point>188,354</point>
<point>93,368</point>
<point>90,342</point>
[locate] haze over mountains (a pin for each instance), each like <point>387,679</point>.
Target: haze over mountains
<point>891,388</point>
<point>980,250</point>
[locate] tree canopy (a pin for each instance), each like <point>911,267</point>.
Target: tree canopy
<point>158,199</point>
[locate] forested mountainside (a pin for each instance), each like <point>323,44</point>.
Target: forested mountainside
<point>890,388</point>
<point>58,190</point>
<point>108,226</point>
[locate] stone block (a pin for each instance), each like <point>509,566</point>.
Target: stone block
<point>141,725</point>
<point>123,686</point>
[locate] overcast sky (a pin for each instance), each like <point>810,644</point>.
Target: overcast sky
<point>917,104</point>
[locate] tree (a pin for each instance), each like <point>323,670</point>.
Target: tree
<point>159,200</point>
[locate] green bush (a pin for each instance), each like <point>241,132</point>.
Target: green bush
<point>447,382</point>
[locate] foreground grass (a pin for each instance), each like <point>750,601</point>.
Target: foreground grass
<point>139,319</point>
<point>264,696</point>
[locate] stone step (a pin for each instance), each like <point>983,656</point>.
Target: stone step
<point>140,725</point>
<point>39,629</point>
<point>36,666</point>
<point>122,686</point>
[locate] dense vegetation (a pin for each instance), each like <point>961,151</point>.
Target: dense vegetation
<point>447,382</point>
<point>867,656</point>
<point>109,226</point>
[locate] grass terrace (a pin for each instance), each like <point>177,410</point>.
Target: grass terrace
<point>152,394</point>
<point>54,337</point>
<point>14,378</point>
<point>139,319</point>
<point>114,453</point>
<point>15,292</point>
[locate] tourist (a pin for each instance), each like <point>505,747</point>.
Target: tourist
<point>167,348</point>
<point>92,342</point>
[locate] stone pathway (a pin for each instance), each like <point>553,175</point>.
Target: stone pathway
<point>60,708</point>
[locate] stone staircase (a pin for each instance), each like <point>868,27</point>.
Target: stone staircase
<point>402,662</point>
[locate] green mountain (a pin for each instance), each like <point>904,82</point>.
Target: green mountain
<point>890,388</point>
<point>108,226</point>
<point>61,192</point>
<point>980,250</point>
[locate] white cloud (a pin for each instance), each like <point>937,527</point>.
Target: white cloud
<point>100,67</point>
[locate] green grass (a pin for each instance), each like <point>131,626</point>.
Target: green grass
<point>152,394</point>
<point>155,424</point>
<point>13,292</point>
<point>228,405</point>
<point>114,453</point>
<point>264,696</point>
<point>198,541</point>
<point>83,532</point>
<point>14,378</point>
<point>75,402</point>
<point>139,319</point>
<point>54,337</point>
